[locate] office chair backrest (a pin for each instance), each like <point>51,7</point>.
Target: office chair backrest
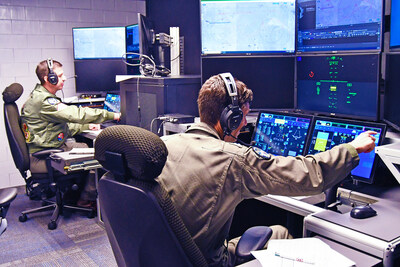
<point>142,224</point>
<point>16,139</point>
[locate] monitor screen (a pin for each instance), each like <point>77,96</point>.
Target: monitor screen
<point>339,85</point>
<point>391,106</point>
<point>395,24</point>
<point>98,75</point>
<point>339,25</point>
<point>98,42</point>
<point>247,27</point>
<point>112,102</point>
<point>132,40</point>
<point>329,132</point>
<point>281,134</point>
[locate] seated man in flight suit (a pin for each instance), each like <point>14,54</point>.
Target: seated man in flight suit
<point>49,123</point>
<point>207,175</point>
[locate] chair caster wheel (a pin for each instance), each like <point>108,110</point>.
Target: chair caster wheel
<point>23,218</point>
<point>52,225</point>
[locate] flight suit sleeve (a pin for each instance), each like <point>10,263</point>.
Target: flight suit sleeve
<point>54,110</point>
<point>296,176</point>
<point>77,128</point>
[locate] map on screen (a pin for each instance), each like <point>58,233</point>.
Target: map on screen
<point>247,26</point>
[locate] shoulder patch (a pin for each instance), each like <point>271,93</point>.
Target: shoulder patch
<point>53,101</point>
<point>261,153</point>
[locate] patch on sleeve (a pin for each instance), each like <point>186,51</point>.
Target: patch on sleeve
<point>53,101</point>
<point>261,153</point>
<point>60,136</point>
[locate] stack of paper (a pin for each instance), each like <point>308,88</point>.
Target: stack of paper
<point>301,252</point>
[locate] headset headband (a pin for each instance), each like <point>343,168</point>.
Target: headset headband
<point>230,86</point>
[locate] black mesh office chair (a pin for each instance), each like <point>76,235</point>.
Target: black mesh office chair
<point>7,195</point>
<point>141,222</point>
<point>38,185</point>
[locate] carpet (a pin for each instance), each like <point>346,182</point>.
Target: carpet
<point>77,241</point>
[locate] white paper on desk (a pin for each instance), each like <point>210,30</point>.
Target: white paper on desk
<point>301,252</point>
<point>82,150</point>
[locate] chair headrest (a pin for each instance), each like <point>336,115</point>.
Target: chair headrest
<point>144,152</point>
<point>12,92</point>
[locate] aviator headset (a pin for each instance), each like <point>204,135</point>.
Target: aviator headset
<point>51,77</point>
<point>232,115</point>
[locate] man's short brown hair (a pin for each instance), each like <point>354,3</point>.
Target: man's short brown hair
<point>42,69</point>
<point>213,98</point>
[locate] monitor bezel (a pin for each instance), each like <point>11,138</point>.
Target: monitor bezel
<point>286,113</point>
<point>341,115</point>
<point>99,27</point>
<point>371,124</point>
<point>342,51</point>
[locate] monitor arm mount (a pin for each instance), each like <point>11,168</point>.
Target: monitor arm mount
<point>162,40</point>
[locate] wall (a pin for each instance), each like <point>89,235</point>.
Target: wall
<point>33,30</point>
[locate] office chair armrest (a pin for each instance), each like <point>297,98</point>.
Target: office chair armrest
<point>254,238</point>
<point>47,152</point>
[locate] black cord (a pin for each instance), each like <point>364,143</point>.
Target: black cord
<point>238,140</point>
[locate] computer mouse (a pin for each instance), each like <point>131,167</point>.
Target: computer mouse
<point>362,212</point>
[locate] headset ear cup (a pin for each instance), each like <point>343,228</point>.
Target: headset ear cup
<point>230,119</point>
<point>52,78</point>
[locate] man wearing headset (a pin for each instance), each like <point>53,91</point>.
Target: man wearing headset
<point>207,175</point>
<point>49,123</point>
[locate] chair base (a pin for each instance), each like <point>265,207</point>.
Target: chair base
<point>58,209</point>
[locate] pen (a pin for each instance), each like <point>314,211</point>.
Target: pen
<point>293,258</point>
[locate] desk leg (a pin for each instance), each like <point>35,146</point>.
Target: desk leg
<point>99,219</point>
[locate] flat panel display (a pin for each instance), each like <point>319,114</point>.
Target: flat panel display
<point>98,42</point>
<point>391,113</point>
<point>281,134</point>
<point>333,25</point>
<point>395,24</point>
<point>339,85</point>
<point>330,132</point>
<point>247,27</point>
<point>112,102</point>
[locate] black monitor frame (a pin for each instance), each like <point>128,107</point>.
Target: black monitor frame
<point>326,112</point>
<point>391,105</point>
<point>284,115</point>
<point>362,126</point>
<point>146,36</point>
<point>339,28</point>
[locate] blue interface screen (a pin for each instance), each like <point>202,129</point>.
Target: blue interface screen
<point>281,134</point>
<point>327,134</point>
<point>112,103</point>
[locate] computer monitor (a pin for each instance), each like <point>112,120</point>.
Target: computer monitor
<point>132,48</point>
<point>329,132</point>
<point>112,102</point>
<point>98,42</point>
<point>339,85</point>
<point>339,25</point>
<point>247,27</point>
<point>391,104</point>
<point>281,133</point>
<point>395,25</point>
<point>146,36</point>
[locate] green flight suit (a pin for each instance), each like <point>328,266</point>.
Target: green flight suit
<point>48,123</point>
<point>207,178</point>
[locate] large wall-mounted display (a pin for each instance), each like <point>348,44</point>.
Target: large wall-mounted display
<point>247,27</point>
<point>339,25</point>
<point>339,85</point>
<point>98,42</point>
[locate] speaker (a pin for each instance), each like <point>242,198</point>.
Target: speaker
<point>51,77</point>
<point>232,115</point>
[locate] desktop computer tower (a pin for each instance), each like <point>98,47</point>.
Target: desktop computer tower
<point>143,99</point>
